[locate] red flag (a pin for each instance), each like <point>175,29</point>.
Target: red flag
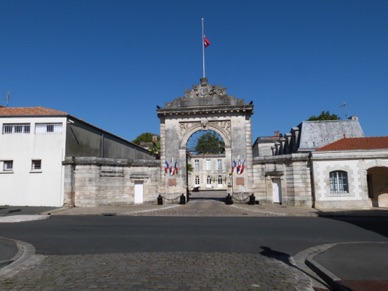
<point>206,42</point>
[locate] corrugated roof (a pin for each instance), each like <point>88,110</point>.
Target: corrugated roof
<point>30,111</point>
<point>316,134</point>
<point>361,143</point>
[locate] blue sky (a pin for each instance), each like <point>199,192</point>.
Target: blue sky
<point>111,62</point>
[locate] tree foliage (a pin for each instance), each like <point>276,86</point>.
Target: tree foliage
<point>325,115</point>
<point>210,143</point>
<point>147,140</point>
<point>145,137</point>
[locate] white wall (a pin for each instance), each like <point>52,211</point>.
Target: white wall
<point>354,165</point>
<point>23,187</point>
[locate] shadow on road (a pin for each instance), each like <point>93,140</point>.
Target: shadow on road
<point>217,195</point>
<point>372,219</point>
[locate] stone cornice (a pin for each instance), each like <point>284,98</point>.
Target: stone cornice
<point>281,158</point>
<point>203,110</point>
<point>110,162</point>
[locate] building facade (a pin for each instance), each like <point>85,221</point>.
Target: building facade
<point>50,158</point>
<point>34,143</point>
<point>206,107</point>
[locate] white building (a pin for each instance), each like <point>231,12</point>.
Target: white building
<point>351,173</point>
<point>33,145</point>
<point>209,172</point>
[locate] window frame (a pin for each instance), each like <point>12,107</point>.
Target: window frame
<point>49,128</point>
<point>34,168</point>
<point>5,168</point>
<point>339,182</point>
<point>196,165</point>
<point>16,128</point>
<point>208,163</point>
<point>219,164</point>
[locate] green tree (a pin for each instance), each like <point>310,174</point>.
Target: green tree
<point>145,138</point>
<point>325,115</point>
<point>210,143</point>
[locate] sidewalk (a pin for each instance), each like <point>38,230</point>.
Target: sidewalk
<point>247,210</point>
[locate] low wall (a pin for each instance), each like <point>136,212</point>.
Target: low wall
<point>91,181</point>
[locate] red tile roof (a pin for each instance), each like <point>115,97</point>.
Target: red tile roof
<point>357,143</point>
<point>30,111</point>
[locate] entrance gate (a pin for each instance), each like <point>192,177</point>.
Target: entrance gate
<point>205,107</point>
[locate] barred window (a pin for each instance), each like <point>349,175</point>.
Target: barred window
<point>339,182</point>
<point>48,128</point>
<point>16,128</point>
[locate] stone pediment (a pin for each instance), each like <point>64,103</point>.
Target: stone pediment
<point>205,95</point>
<point>205,90</point>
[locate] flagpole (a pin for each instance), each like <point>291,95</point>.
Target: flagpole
<point>203,49</point>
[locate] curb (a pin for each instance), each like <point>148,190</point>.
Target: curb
<point>300,261</point>
<point>305,261</point>
<point>330,278</point>
<point>23,257</point>
<point>22,218</point>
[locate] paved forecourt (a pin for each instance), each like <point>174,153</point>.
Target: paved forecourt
<point>160,271</point>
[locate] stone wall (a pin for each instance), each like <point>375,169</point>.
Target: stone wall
<point>91,182</point>
<point>357,165</point>
<point>291,171</point>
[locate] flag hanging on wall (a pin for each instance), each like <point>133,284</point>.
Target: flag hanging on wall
<point>240,167</point>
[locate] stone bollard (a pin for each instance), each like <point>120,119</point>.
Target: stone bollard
<point>229,200</point>
<point>160,200</point>
<point>182,199</point>
<point>252,200</point>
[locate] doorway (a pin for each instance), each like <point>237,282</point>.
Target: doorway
<point>139,188</point>
<point>276,191</point>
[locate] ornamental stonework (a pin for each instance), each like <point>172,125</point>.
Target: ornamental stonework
<point>205,124</point>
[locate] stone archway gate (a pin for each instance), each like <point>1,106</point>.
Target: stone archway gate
<point>205,107</point>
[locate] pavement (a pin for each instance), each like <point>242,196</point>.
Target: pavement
<point>339,266</point>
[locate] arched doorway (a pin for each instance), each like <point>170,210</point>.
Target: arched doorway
<point>377,178</point>
<point>207,167</point>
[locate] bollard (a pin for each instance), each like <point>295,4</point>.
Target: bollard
<point>229,199</point>
<point>182,199</point>
<point>160,200</point>
<point>252,199</point>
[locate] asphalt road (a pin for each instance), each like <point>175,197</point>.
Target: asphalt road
<point>277,236</point>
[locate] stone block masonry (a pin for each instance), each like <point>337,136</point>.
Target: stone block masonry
<point>91,181</point>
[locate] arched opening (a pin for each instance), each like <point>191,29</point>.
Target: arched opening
<point>377,178</point>
<point>207,165</point>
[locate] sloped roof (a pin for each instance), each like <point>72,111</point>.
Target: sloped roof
<point>360,143</point>
<point>316,134</point>
<point>30,111</point>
